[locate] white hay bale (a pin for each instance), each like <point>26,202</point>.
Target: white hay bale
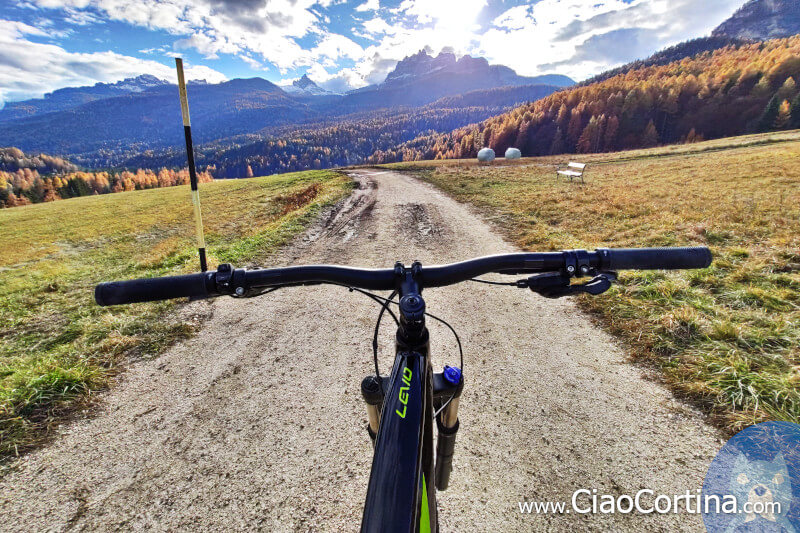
<point>513,153</point>
<point>486,154</point>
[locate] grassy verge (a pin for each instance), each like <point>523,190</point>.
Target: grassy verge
<point>727,336</point>
<point>56,345</point>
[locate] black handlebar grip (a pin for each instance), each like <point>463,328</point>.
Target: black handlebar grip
<point>655,258</point>
<point>151,289</point>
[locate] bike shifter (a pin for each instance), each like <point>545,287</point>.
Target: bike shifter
<point>556,284</point>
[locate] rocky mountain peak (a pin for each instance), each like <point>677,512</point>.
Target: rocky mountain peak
<point>763,19</point>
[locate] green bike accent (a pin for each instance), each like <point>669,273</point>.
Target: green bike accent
<point>425,517</point>
<point>403,396</point>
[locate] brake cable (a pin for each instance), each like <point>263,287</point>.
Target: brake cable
<point>389,300</point>
<point>488,282</point>
<point>385,307</point>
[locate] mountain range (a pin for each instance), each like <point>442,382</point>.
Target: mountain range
<point>70,97</point>
<point>143,113</point>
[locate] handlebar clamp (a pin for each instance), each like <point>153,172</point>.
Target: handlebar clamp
<point>231,281</point>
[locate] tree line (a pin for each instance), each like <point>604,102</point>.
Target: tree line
<point>13,159</point>
<point>26,185</point>
<point>738,89</point>
<point>342,141</point>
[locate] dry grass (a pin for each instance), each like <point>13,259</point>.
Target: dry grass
<point>56,344</point>
<point>727,336</point>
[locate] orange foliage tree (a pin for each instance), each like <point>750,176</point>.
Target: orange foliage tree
<point>734,90</point>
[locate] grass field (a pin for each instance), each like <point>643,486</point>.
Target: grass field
<point>56,344</point>
<point>728,336</point>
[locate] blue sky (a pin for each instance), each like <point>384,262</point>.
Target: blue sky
<point>341,44</point>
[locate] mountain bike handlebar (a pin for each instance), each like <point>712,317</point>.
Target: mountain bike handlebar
<point>227,281</point>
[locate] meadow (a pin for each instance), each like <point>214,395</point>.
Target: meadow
<point>57,347</point>
<point>726,337</point>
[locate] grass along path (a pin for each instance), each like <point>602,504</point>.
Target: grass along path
<point>728,336</point>
<point>56,344</point>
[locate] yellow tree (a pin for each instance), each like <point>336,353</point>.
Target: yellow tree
<point>784,114</point>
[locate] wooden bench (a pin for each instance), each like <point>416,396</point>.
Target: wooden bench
<point>573,170</point>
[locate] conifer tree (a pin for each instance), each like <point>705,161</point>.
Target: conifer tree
<point>767,120</point>
<point>557,147</point>
<point>794,121</point>
<point>650,135</point>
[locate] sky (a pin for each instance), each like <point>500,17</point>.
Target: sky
<point>340,44</point>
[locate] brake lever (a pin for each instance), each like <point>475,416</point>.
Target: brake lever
<point>557,285</point>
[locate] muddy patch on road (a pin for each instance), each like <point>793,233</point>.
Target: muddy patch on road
<point>421,224</point>
<point>346,220</point>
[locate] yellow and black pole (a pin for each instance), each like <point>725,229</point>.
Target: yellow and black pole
<point>187,131</point>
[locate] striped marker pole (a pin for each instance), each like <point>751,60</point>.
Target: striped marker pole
<point>187,131</point>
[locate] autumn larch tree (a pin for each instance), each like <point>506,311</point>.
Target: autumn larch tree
<point>784,112</point>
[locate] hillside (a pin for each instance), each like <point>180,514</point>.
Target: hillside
<point>726,336</point>
<point>152,118</point>
<point>342,141</point>
<point>56,346</point>
<point>26,178</point>
<point>731,91</point>
<point>670,55</point>
<point>763,19</point>
<point>14,159</point>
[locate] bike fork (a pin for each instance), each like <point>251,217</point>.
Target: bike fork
<point>447,387</point>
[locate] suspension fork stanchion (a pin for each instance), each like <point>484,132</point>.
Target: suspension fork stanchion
<point>372,391</point>
<point>447,425</point>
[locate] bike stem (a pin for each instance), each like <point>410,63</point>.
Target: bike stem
<point>412,334</point>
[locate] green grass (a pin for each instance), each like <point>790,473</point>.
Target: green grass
<point>56,345</point>
<point>728,336</point>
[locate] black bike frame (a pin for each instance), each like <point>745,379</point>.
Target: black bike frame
<point>401,496</point>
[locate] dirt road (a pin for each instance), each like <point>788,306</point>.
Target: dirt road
<point>257,422</point>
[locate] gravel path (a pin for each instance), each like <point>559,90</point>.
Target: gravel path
<point>257,422</point>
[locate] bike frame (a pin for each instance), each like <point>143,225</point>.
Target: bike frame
<point>401,495</point>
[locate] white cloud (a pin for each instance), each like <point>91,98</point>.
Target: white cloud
<point>255,65</point>
<point>369,5</point>
<point>266,29</point>
<point>30,69</point>
<point>81,18</point>
<point>580,38</point>
<point>334,46</point>
<point>378,26</point>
